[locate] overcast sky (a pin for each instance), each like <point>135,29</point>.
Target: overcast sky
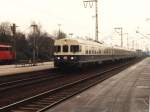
<point>76,19</point>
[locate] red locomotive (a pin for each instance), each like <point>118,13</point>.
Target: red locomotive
<point>6,53</point>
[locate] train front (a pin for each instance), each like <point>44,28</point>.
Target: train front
<point>66,53</point>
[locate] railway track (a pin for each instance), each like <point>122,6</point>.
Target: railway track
<point>45,100</point>
<point>20,76</point>
<point>25,79</point>
<point>28,81</point>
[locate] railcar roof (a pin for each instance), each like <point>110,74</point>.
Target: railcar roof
<point>80,41</point>
<point>89,42</point>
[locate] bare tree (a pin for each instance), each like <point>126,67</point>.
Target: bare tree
<point>5,33</point>
<point>41,42</point>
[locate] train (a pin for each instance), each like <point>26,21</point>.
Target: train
<point>6,53</point>
<point>71,52</point>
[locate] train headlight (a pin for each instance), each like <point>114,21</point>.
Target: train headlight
<point>58,58</point>
<point>72,58</point>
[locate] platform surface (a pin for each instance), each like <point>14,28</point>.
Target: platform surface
<point>14,69</point>
<point>128,91</point>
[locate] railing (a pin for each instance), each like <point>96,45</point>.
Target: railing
<point>25,63</point>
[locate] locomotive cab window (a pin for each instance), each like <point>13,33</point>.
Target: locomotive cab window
<point>74,48</point>
<point>65,48</point>
<point>57,49</point>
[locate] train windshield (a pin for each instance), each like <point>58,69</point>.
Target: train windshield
<point>57,48</point>
<point>65,48</point>
<point>74,48</point>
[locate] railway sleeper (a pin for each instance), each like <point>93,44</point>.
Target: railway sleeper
<point>48,98</point>
<point>25,109</point>
<point>45,100</point>
<point>21,111</point>
<point>40,103</point>
<point>32,105</point>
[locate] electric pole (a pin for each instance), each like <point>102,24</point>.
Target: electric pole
<point>127,43</point>
<point>121,35</point>
<point>13,29</point>
<point>96,22</point>
<point>132,44</point>
<point>127,40</point>
<point>35,27</point>
<point>58,35</point>
<point>90,2</point>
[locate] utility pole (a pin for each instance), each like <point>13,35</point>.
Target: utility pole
<point>96,21</point>
<point>133,44</point>
<point>13,29</point>
<point>35,27</point>
<point>127,40</point>
<point>127,43</point>
<point>90,2</point>
<point>59,25</point>
<point>121,35</point>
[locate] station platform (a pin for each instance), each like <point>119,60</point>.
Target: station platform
<point>128,91</point>
<point>14,69</point>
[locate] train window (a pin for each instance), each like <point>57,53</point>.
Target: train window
<point>105,51</point>
<point>74,48</point>
<point>57,48</point>
<point>65,48</point>
<point>86,51</point>
<point>89,51</point>
<point>109,52</point>
<point>92,51</point>
<point>80,48</point>
<point>99,51</point>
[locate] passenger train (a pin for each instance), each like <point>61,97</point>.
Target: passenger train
<point>78,52</point>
